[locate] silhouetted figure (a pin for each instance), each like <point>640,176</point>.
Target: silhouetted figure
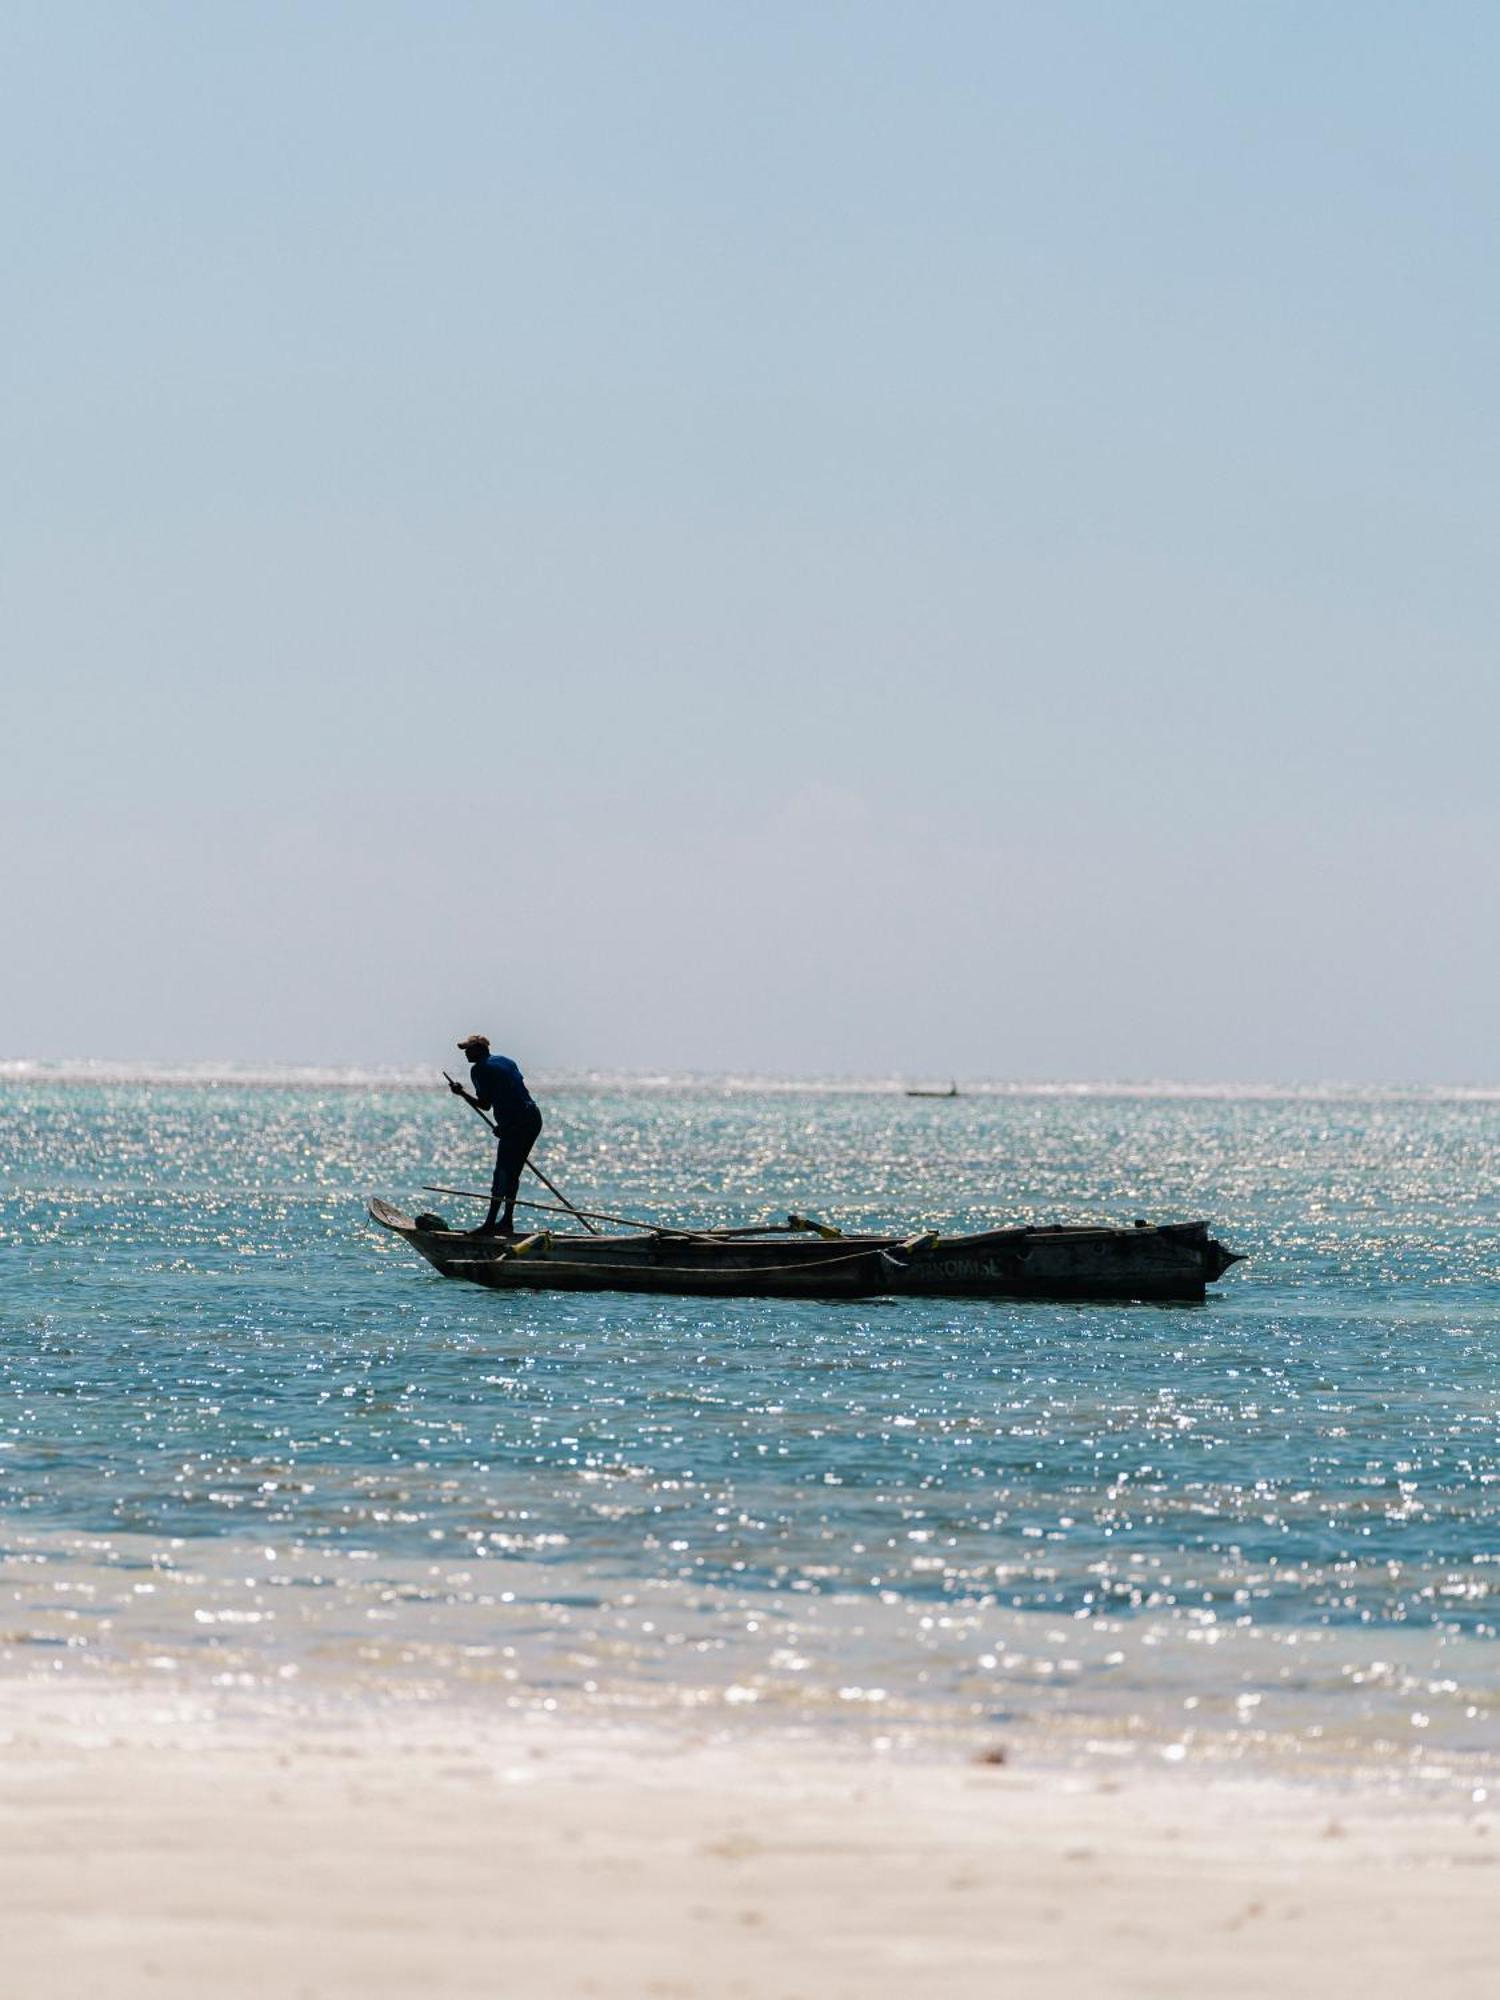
<point>500,1089</point>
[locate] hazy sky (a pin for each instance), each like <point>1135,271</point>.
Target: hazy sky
<point>950,539</point>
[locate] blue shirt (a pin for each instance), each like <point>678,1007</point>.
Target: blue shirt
<point>501,1088</point>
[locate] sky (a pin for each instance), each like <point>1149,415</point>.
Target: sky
<point>949,540</point>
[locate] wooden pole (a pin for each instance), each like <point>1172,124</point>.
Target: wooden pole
<point>792,1225</point>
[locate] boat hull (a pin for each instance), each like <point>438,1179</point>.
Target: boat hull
<point>1166,1262</point>
<point>1173,1262</point>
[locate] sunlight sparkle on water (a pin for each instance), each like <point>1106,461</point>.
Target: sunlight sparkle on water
<point>243,1433</point>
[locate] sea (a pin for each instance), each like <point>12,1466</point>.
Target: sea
<point>257,1458</point>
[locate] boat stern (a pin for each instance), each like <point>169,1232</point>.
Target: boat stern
<point>1217,1260</point>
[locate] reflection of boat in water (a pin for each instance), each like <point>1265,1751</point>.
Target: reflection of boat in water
<point>1166,1261</point>
<point>951,1091</point>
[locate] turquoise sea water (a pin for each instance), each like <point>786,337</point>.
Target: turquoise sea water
<point>247,1439</point>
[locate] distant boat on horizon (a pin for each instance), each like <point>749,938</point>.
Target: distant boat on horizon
<point>951,1091</point>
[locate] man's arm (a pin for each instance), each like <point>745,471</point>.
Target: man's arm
<point>458,1091</point>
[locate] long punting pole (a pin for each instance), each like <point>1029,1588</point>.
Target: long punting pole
<point>530,1165</point>
<point>792,1224</point>
<point>588,1216</point>
<point>551,1189</point>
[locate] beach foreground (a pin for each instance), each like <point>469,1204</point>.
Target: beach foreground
<point>144,1854</point>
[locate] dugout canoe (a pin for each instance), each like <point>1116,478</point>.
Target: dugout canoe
<point>1164,1262</point>
<point>656,1262</point>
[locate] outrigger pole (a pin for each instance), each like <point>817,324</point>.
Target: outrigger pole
<point>531,1167</point>
<point>792,1224</point>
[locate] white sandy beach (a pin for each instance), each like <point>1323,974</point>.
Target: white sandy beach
<point>144,1858</point>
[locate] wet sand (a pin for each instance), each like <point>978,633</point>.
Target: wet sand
<point>152,1853</point>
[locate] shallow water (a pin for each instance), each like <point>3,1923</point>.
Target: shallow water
<point>247,1437</point>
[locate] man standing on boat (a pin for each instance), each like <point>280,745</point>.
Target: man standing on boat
<point>500,1090</point>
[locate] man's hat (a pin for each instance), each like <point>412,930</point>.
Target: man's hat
<point>475,1042</point>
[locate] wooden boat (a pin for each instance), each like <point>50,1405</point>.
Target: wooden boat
<point>1170,1261</point>
<point>659,1261</point>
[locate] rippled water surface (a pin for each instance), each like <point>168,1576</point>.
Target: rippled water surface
<point>243,1429</point>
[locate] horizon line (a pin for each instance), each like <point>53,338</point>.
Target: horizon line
<point>246,1074</point>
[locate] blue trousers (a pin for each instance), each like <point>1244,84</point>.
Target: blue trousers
<point>517,1137</point>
